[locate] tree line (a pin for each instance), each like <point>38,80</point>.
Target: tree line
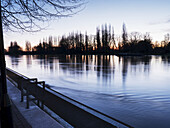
<point>105,41</point>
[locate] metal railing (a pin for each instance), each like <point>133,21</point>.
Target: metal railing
<point>72,111</point>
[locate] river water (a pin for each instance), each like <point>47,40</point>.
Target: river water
<point>134,90</point>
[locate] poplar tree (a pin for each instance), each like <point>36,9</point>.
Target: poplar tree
<point>124,35</point>
<point>98,39</point>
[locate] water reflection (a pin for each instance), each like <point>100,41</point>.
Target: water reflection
<point>29,61</point>
<point>166,59</point>
<point>134,63</point>
<point>15,61</point>
<point>132,89</point>
<point>103,65</point>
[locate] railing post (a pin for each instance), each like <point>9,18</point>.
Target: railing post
<point>38,103</point>
<point>22,93</point>
<point>27,96</point>
<point>42,102</point>
<point>19,83</point>
<point>43,85</point>
<point>42,105</point>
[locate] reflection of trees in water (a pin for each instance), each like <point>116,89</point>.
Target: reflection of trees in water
<point>103,65</point>
<point>106,69</point>
<point>146,61</point>
<point>98,65</point>
<point>79,64</point>
<point>28,60</point>
<point>124,69</point>
<point>45,61</point>
<point>15,60</point>
<point>41,59</point>
<point>51,61</point>
<point>165,60</point>
<point>87,63</point>
<point>72,63</point>
<point>141,64</point>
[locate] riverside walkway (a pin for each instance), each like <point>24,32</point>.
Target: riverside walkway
<point>33,117</point>
<point>18,120</point>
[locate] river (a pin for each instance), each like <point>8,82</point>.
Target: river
<point>134,90</point>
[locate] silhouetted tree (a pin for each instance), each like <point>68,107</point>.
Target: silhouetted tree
<point>77,41</point>
<point>106,38</point>
<point>106,41</point>
<point>81,42</point>
<point>94,43</point>
<point>50,45</point>
<point>64,43</point>
<point>28,46</point>
<point>72,41</point>
<point>145,46</point>
<point>166,39</point>
<point>135,37</point>
<point>109,36</point>
<point>124,35</point>
<point>167,49</point>
<point>38,48</point>
<point>113,38</point>
<point>98,39</point>
<point>86,42</point>
<point>147,37</point>
<point>50,41</point>
<point>90,44</point>
<point>15,48</point>
<point>103,38</point>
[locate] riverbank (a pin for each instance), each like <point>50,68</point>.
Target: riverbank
<point>26,118</point>
<point>116,52</point>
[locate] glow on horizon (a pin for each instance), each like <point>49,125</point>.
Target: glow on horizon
<point>141,16</point>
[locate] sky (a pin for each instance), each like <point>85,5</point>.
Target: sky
<point>143,16</point>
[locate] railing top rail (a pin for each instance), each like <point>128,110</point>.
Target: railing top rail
<point>17,73</point>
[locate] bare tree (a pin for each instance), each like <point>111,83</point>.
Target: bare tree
<point>86,42</point>
<point>124,35</point>
<point>50,41</point>
<point>113,38</point>
<point>135,37</point>
<point>27,14</point>
<point>109,36</point>
<point>28,46</point>
<point>147,37</point>
<point>166,40</point>
<point>98,38</point>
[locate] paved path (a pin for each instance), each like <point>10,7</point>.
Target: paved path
<point>26,118</point>
<point>18,119</point>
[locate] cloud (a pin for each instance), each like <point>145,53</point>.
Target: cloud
<point>160,22</point>
<point>167,30</point>
<point>155,23</point>
<point>168,21</point>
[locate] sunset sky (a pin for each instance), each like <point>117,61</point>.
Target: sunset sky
<point>139,15</point>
